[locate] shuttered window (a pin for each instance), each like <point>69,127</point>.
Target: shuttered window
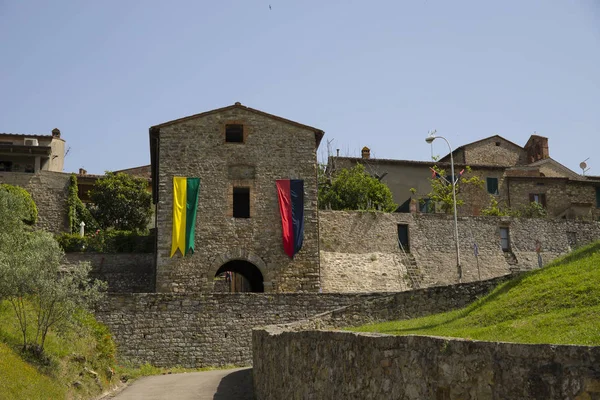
<point>538,198</point>
<point>492,185</point>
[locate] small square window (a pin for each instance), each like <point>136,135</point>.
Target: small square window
<point>504,239</point>
<point>234,133</point>
<point>403,237</point>
<point>492,185</point>
<point>241,202</point>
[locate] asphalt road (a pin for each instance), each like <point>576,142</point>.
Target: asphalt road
<point>234,384</point>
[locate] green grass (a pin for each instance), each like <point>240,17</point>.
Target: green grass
<point>69,350</point>
<point>559,304</point>
<point>20,380</point>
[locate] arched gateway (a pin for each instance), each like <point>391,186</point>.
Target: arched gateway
<point>240,276</point>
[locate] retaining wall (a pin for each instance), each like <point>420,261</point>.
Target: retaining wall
<point>196,330</point>
<point>301,361</point>
<point>345,365</point>
<point>124,272</point>
<point>360,251</point>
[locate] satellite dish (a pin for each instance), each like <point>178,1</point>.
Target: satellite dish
<point>584,166</point>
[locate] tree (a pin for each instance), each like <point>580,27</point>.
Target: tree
<point>28,209</point>
<point>122,202</point>
<point>441,188</point>
<point>31,272</point>
<point>354,189</point>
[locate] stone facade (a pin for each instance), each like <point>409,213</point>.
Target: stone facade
<point>345,365</point>
<point>273,148</point>
<point>360,250</point>
<point>494,150</point>
<point>49,190</point>
<point>123,272</point>
<point>196,330</point>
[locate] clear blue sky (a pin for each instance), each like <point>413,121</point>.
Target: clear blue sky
<point>377,73</point>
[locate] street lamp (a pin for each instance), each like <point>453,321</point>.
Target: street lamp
<point>432,136</point>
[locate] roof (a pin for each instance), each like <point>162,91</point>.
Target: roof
<point>478,141</point>
<point>25,135</point>
<point>573,175</point>
<point>411,162</point>
<point>318,132</point>
<point>143,171</point>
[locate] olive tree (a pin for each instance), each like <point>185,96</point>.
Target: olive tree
<point>354,189</point>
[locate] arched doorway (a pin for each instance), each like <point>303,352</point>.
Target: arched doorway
<point>240,276</point>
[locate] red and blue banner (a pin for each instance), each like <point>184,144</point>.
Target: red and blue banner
<point>291,207</point>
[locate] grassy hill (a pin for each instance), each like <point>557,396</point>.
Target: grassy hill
<point>77,362</point>
<point>559,304</point>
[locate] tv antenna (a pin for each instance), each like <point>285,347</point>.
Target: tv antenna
<point>584,166</point>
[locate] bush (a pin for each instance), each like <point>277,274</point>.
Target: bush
<point>111,241</point>
<point>30,212</point>
<point>71,242</point>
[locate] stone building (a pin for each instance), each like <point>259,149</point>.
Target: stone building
<point>515,176</point>
<point>35,162</point>
<point>238,153</point>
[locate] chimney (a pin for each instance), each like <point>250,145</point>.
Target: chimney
<point>366,153</point>
<point>337,152</point>
<point>82,171</point>
<point>56,133</point>
<point>537,148</point>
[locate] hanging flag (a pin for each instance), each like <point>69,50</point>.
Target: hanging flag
<point>185,204</point>
<point>291,207</point>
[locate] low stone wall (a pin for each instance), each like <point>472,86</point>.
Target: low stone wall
<point>124,272</point>
<point>196,330</point>
<point>299,360</point>
<point>345,365</point>
<point>360,251</point>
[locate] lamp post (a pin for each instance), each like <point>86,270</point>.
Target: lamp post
<point>432,136</point>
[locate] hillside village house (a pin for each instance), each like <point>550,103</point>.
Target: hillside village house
<point>514,175</point>
<point>31,153</point>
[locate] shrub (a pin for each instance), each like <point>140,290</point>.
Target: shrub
<point>30,212</point>
<point>111,241</point>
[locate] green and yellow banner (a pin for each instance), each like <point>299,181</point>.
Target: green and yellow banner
<point>185,204</point>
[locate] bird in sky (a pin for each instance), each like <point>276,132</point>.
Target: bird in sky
<point>269,6</point>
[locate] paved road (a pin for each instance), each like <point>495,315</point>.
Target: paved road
<point>227,384</point>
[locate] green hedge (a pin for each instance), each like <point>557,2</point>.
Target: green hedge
<point>111,241</point>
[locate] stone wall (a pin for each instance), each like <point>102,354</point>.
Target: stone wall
<point>345,365</point>
<point>49,191</point>
<point>358,248</point>
<point>272,149</point>
<point>494,151</point>
<point>195,330</point>
<point>124,272</point>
